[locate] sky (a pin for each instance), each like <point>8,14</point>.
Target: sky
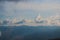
<point>28,9</point>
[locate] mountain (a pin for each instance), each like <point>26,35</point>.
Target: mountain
<point>30,32</point>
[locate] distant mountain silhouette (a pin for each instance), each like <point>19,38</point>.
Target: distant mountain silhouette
<point>30,33</point>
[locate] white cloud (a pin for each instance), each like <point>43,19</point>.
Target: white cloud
<point>55,20</point>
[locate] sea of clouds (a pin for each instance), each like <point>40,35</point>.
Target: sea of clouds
<point>53,20</point>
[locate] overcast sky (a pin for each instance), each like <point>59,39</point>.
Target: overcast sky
<point>28,9</point>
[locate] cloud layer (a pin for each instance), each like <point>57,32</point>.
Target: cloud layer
<point>50,21</point>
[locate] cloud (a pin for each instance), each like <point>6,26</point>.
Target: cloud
<point>14,20</point>
<point>53,20</point>
<point>50,21</point>
<point>5,22</point>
